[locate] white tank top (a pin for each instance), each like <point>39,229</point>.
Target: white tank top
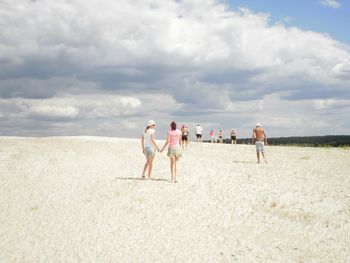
<point>147,138</point>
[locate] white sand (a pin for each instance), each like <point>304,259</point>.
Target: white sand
<point>80,200</point>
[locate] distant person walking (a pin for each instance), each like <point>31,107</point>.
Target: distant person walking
<point>199,131</point>
<point>149,147</point>
<point>185,135</point>
<point>174,140</point>
<point>220,136</point>
<point>233,136</point>
<point>260,141</point>
<point>212,136</point>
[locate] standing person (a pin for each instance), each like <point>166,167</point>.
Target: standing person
<point>212,136</point>
<point>199,131</point>
<point>184,131</point>
<point>260,141</point>
<point>220,136</point>
<point>149,147</point>
<point>233,136</point>
<point>174,139</point>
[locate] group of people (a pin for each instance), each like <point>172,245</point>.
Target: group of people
<point>199,132</point>
<point>177,138</point>
<point>233,135</point>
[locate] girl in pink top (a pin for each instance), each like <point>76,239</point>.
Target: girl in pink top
<point>212,135</point>
<point>174,140</point>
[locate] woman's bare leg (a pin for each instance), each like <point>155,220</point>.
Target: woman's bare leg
<point>145,169</point>
<point>150,166</point>
<point>172,168</point>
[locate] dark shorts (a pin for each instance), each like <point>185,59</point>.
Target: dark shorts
<point>199,135</point>
<point>184,137</point>
<point>233,138</point>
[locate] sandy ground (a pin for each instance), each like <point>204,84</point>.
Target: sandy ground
<point>81,200</point>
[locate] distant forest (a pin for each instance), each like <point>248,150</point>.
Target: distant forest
<point>313,141</point>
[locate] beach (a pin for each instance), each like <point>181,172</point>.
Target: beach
<point>82,199</point>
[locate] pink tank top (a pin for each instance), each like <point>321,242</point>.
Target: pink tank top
<point>174,138</point>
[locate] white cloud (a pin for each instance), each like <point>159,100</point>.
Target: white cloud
<point>326,105</point>
<point>331,3</point>
<point>93,110</point>
<point>93,64</point>
<point>342,70</point>
<point>201,34</point>
<point>53,111</point>
<point>303,117</point>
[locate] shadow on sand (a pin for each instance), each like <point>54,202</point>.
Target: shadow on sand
<point>242,162</point>
<point>141,179</point>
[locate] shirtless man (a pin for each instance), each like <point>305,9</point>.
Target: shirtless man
<point>184,131</point>
<point>220,136</point>
<point>233,136</point>
<point>260,141</point>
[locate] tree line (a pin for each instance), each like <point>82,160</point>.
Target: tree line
<point>313,141</point>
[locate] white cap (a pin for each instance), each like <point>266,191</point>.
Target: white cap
<point>258,124</point>
<point>150,123</point>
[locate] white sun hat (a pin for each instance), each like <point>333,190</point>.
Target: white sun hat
<point>258,124</point>
<point>150,123</point>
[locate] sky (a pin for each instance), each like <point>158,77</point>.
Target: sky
<point>86,67</point>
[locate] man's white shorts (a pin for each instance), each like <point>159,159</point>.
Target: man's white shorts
<point>260,147</point>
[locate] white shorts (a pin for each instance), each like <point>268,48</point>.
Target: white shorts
<point>260,146</point>
<point>149,151</point>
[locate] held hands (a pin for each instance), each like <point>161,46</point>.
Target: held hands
<point>158,149</point>
<point>162,148</point>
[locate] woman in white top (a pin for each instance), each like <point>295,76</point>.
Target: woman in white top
<point>149,147</point>
<point>199,131</point>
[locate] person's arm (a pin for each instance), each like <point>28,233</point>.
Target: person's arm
<point>265,138</point>
<point>166,143</point>
<point>180,139</point>
<point>153,142</point>
<point>142,143</point>
<point>253,136</point>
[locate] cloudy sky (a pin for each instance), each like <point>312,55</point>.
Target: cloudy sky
<point>90,67</point>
